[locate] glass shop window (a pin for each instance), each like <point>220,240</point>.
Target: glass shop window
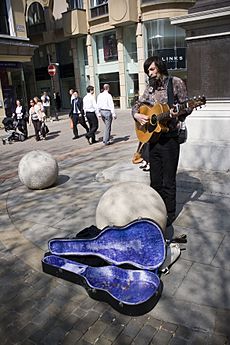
<point>167,41</point>
<point>106,47</point>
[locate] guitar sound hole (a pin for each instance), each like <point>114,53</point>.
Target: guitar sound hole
<point>152,124</point>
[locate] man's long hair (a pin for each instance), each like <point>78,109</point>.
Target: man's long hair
<point>161,65</point>
<point>156,82</point>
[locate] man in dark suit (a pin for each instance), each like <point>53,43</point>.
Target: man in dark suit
<point>77,114</point>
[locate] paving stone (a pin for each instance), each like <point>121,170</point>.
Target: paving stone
<point>145,335</point>
<point>103,341</point>
<point>162,337</point>
<point>123,339</point>
<point>184,313</point>
<point>72,337</point>
<point>56,336</point>
<point>222,322</point>
<point>174,279</point>
<point>206,285</point>
<point>112,332</point>
<point>202,254</point>
<point>222,256</point>
<point>183,332</point>
<point>87,321</point>
<point>199,338</point>
<point>95,331</point>
<point>108,316</point>
<point>177,341</point>
<point>216,339</point>
<point>204,217</point>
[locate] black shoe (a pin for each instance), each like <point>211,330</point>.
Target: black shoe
<point>89,140</point>
<point>95,141</point>
<point>75,137</point>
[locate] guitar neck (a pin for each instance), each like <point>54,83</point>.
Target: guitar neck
<point>166,115</point>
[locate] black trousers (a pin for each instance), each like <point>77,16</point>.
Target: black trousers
<point>37,127</point>
<point>93,124</point>
<point>78,119</point>
<point>164,157</point>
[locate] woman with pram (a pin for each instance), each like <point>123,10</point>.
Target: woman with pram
<point>20,115</point>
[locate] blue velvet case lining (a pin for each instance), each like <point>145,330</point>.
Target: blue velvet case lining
<point>131,287</point>
<point>140,243</point>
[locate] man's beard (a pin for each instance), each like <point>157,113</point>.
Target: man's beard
<point>155,83</point>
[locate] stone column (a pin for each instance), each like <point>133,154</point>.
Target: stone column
<point>73,45</point>
<point>92,72</point>
<point>140,56</point>
<point>121,65</point>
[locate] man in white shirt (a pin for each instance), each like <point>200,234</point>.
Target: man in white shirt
<point>90,110</point>
<point>106,110</point>
<point>46,105</point>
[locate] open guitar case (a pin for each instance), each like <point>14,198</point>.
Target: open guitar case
<point>117,265</point>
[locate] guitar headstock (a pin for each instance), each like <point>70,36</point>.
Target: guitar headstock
<point>196,102</point>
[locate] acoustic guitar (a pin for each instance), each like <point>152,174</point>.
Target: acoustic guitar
<point>158,115</point>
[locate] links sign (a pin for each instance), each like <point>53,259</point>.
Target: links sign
<point>52,70</point>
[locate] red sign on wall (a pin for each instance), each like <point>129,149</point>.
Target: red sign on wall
<point>52,70</point>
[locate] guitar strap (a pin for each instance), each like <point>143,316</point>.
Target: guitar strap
<point>170,92</point>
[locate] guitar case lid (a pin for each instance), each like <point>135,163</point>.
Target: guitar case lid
<point>139,243</point>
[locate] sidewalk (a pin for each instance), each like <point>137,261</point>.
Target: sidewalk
<point>39,309</point>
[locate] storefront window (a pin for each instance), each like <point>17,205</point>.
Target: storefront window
<point>167,41</point>
<point>13,85</point>
<point>113,80</point>
<point>106,47</point>
<point>130,44</point>
<point>4,22</point>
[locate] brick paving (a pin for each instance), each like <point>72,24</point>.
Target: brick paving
<point>36,308</point>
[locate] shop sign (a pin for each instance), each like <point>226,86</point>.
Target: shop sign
<point>174,58</point>
<point>6,64</point>
<point>20,28</point>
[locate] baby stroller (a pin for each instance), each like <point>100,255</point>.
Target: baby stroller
<point>13,132</point>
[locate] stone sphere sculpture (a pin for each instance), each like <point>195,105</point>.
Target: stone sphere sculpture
<point>38,170</point>
<point>128,201</point>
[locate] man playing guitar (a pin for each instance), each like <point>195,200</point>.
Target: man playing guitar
<point>163,153</point>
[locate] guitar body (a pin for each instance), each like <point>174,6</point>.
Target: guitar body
<point>154,127</point>
<point>159,114</point>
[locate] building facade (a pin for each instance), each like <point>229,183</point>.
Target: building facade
<point>104,41</point>
<point>15,50</point>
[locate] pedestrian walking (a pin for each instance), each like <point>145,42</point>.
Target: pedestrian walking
<point>46,105</point>
<point>106,110</point>
<point>90,110</point>
<point>20,115</point>
<point>57,100</point>
<point>77,114</point>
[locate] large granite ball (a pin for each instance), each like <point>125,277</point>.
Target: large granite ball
<point>38,170</point>
<point>128,201</point>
